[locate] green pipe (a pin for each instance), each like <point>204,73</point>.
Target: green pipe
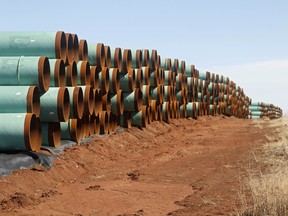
<point>72,130</point>
<point>19,99</point>
<point>166,111</point>
<point>255,108</point>
<point>146,91</point>
<point>76,99</point>
<point>55,105</point>
<point>167,93</point>
<point>19,132</point>
<point>256,113</point>
<point>25,71</point>
<point>114,79</point>
<point>166,64</point>
<point>157,93</point>
<point>117,103</point>
<point>192,110</point>
<point>202,75</point>
<point>84,75</point>
<point>127,81</point>
<point>51,134</point>
<point>133,100</point>
<point>96,55</point>
<point>139,119</point>
<point>190,70</point>
<point>116,58</point>
<point>50,44</point>
<point>146,76</point>
<point>136,58</point>
<point>58,73</point>
<point>154,78</point>
<point>167,77</point>
<point>104,78</point>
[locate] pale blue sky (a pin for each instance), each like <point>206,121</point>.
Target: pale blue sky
<point>245,40</point>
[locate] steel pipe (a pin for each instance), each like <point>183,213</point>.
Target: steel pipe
<point>139,119</point>
<point>107,51</point>
<point>96,55</point>
<point>116,58</point>
<point>127,80</point>
<point>133,100</point>
<point>104,80</point>
<point>145,75</point>
<point>117,103</point>
<point>166,111</point>
<point>51,134</point>
<point>104,122</point>
<point>25,71</point>
<point>71,74</point>
<point>55,105</point>
<point>69,48</point>
<point>19,99</point>
<point>97,101</point>
<point>19,132</point>
<point>106,102</point>
<point>125,120</point>
<point>57,74</point>
<point>146,92</point>
<point>83,50</point>
<point>94,74</point>
<point>72,130</point>
<point>88,99</point>
<point>114,79</point>
<point>76,102</point>
<point>136,58</point>
<point>50,44</point>
<point>83,69</point>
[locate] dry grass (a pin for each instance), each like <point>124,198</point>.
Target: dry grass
<point>266,189</point>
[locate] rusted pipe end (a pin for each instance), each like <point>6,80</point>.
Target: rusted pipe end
<point>167,93</point>
<point>158,62</point>
<point>126,61</point>
<point>115,80</point>
<point>33,101</point>
<point>168,64</point>
<point>97,101</point>
<point>146,75</point>
<point>88,100</point>
<point>76,130</point>
<point>144,116</point>
<point>100,55</point>
<point>69,48</point>
<point>94,74</point>
<point>107,56</point>
<point>75,47</point>
<point>139,78</point>
<point>106,102</point>
<point>126,120</point>
<point>105,82</point>
<point>97,125</point>
<point>60,45</point>
<point>104,121</point>
<point>145,58</point>
<point>166,111</point>
<point>153,60</point>
<point>54,134</point>
<point>71,74</point>
<point>78,102</point>
<point>183,67</point>
<point>131,79</point>
<point>147,95</point>
<point>138,99</point>
<point>43,73</point>
<point>63,104</point>
<point>154,111</point>
<point>175,66</point>
<point>83,50</point>
<point>118,58</point>
<point>112,123</point>
<point>59,73</point>
<point>120,102</point>
<point>138,58</point>
<point>91,125</point>
<point>148,114</point>
<point>85,73</point>
<point>32,132</point>
<point>159,112</point>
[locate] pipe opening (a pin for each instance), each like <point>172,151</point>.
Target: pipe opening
<point>43,73</point>
<point>107,56</point>
<point>118,58</point>
<point>60,45</point>
<point>33,101</point>
<point>85,73</point>
<point>83,50</point>
<point>127,60</point>
<point>138,58</point>
<point>104,121</point>
<point>59,73</point>
<point>115,80</point>
<point>76,130</point>
<point>78,103</point>
<point>145,58</point>
<point>32,132</point>
<point>97,125</point>
<point>69,48</point>
<point>71,74</point>
<point>54,134</point>
<point>63,104</point>
<point>100,55</point>
<point>88,100</point>
<point>97,101</point>
<point>75,47</point>
<point>94,73</point>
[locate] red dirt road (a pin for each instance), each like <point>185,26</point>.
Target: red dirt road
<point>187,167</point>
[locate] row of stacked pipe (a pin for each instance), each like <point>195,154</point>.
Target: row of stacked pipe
<point>55,86</point>
<point>259,110</point>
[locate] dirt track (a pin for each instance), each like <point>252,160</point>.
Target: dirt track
<point>188,167</point>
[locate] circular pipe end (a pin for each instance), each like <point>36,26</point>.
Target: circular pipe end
<point>71,74</point>
<point>33,101</point>
<point>83,50</point>
<point>69,48</point>
<point>59,73</point>
<point>120,102</point>
<point>100,55</point>
<point>94,74</point>
<point>54,134</point>
<point>104,121</point>
<point>97,101</point>
<point>63,104</point>
<point>97,125</point>
<point>75,47</point>
<point>107,56</point>
<point>85,76</point>
<point>127,60</point>
<point>32,132</point>
<point>44,73</point>
<point>118,58</point>
<point>76,130</point>
<point>78,102</point>
<point>138,99</point>
<point>60,45</point>
<point>88,100</point>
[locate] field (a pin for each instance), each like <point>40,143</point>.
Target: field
<point>209,166</point>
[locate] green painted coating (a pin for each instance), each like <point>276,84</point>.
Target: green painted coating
<point>256,108</point>
<point>256,117</point>
<point>49,105</point>
<point>199,97</point>
<point>189,71</point>
<point>153,79</point>
<point>19,71</point>
<point>136,119</point>
<point>134,58</point>
<point>71,96</point>
<point>166,95</point>
<point>202,75</point>
<point>256,104</point>
<point>189,109</point>
<point>28,44</point>
<point>45,138</point>
<point>124,82</point>
<point>65,130</point>
<point>52,63</point>
<point>155,95</point>
<point>13,99</point>
<point>92,49</point>
<point>129,101</point>
<point>113,101</point>
<point>256,113</point>
<point>12,131</point>
<point>145,96</point>
<point>165,111</point>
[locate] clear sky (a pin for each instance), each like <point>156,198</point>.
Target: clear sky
<point>246,40</point>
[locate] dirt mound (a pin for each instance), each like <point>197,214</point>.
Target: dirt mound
<point>187,167</point>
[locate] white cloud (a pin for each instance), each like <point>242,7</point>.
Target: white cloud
<point>265,81</point>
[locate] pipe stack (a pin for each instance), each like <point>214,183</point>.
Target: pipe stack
<point>56,86</point>
<point>259,110</point>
